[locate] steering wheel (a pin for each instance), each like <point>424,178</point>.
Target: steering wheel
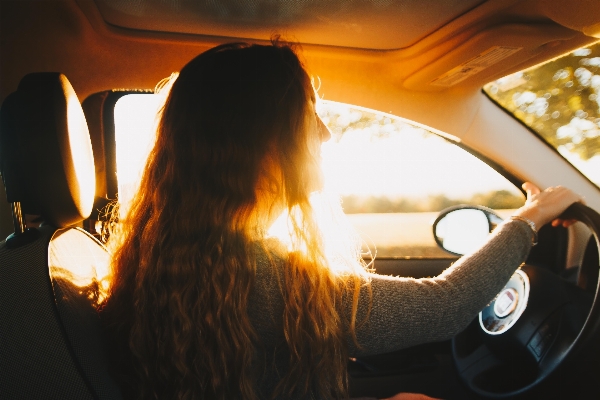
<point>538,323</point>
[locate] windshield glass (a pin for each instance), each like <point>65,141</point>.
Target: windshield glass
<point>391,176</point>
<point>560,101</point>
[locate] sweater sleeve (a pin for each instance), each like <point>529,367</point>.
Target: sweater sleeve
<point>405,311</point>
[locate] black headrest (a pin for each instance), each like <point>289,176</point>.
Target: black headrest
<point>46,156</point>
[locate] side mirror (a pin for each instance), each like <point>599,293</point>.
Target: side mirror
<point>462,229</point>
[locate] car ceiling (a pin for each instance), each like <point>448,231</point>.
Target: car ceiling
<point>356,24</point>
<point>413,45</point>
<point>405,57</point>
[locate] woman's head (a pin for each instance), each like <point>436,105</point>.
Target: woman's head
<point>239,125</point>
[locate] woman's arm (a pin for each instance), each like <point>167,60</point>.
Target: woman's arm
<point>407,311</point>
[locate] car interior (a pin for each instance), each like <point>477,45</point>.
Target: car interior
<point>66,64</point>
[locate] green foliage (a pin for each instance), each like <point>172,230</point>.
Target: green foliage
<point>559,100</point>
<point>341,118</point>
<point>499,200</point>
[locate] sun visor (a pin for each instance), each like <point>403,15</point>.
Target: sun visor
<point>488,54</point>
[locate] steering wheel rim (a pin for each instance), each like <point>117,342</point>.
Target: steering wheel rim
<point>559,321</point>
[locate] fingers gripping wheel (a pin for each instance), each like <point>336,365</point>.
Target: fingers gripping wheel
<point>537,324</point>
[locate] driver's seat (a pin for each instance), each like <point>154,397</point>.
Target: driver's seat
<point>50,342</point>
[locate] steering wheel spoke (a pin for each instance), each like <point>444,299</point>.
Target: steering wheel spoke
<point>481,364</point>
<point>538,322</point>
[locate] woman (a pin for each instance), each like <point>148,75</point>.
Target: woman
<point>203,305</point>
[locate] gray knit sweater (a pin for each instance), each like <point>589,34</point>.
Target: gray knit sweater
<point>405,311</point>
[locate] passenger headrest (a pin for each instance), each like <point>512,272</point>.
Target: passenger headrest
<point>46,156</point>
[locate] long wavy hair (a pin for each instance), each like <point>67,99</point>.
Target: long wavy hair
<point>237,144</point>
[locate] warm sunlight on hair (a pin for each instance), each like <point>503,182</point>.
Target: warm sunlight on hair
<point>342,244</point>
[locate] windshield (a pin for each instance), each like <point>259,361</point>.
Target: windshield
<point>560,101</point>
<point>391,176</point>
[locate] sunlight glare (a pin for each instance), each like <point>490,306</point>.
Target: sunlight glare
<point>392,158</point>
<point>135,127</point>
<point>81,152</point>
<point>370,155</point>
<point>342,244</point>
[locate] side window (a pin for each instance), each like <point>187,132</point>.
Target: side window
<point>392,177</point>
<point>560,100</point>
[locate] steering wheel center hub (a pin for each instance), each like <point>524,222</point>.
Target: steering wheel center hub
<point>504,311</point>
<point>506,302</point>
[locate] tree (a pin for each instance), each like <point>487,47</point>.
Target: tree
<point>559,100</point>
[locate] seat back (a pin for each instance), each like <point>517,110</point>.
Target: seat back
<point>50,336</point>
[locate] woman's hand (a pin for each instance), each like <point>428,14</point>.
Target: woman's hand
<point>545,206</point>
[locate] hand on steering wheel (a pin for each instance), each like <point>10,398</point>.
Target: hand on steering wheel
<point>545,206</point>
<point>558,324</point>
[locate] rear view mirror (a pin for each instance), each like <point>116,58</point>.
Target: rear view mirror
<point>462,229</point>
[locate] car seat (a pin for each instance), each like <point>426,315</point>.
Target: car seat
<point>50,337</point>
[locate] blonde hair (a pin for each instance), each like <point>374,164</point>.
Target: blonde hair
<point>234,145</point>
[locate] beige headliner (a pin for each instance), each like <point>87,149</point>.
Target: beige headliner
<point>71,36</point>
<point>358,23</point>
